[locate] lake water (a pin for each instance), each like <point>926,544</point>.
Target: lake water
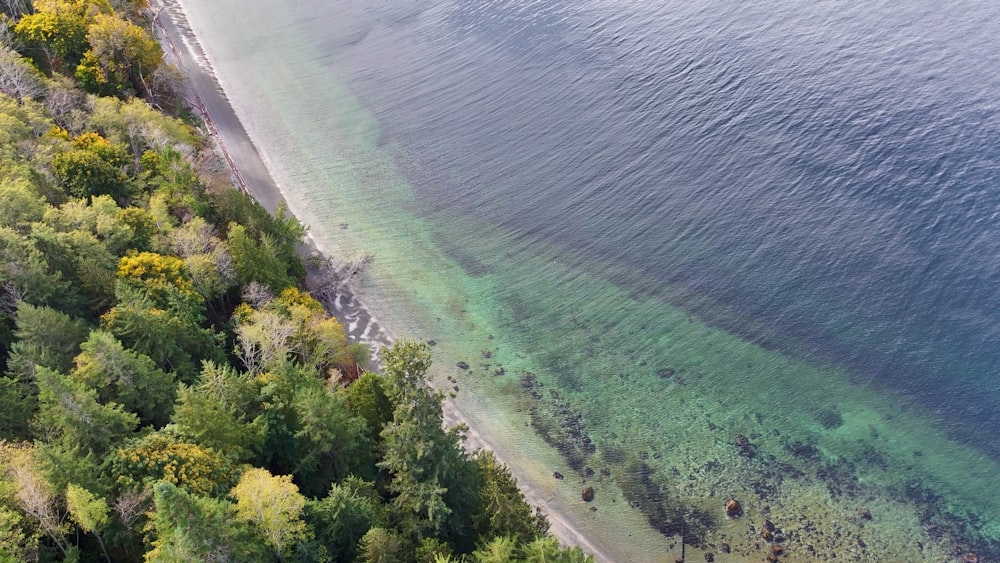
<point>718,249</point>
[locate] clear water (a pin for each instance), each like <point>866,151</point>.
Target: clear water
<point>690,221</point>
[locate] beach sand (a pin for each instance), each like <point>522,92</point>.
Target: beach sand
<point>236,149</point>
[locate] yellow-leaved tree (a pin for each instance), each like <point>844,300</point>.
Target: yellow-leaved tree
<point>122,57</point>
<point>273,506</point>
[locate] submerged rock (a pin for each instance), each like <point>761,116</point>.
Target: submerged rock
<point>588,494</point>
<point>746,448</point>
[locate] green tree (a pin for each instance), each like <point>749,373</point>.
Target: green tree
<point>20,203</point>
<point>65,464</point>
<point>169,173</point>
<point>278,234</point>
<point>125,377</point>
<point>118,229</point>
<point>435,484</point>
<point>366,398</point>
<point>24,271</point>
<point>71,414</point>
<point>189,527</point>
<point>140,230</point>
<point>343,517</point>
<point>16,411</point>
<point>81,260</point>
<point>171,333</point>
<point>258,260</point>
<point>45,337</point>
<point>380,545</point>
<point>332,443</point>
<point>501,549</point>
<point>221,411</point>
<point>548,550</point>
<point>504,511</point>
<point>84,172</point>
<point>17,543</point>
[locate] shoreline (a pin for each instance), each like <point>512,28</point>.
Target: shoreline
<point>250,173</point>
<point>806,501</point>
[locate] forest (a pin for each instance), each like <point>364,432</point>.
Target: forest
<point>170,390</point>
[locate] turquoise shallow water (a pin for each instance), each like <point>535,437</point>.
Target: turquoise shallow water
<point>720,252</point>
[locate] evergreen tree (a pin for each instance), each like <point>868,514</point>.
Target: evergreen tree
<point>189,527</point>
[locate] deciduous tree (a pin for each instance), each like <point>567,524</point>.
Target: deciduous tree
<point>273,507</point>
<point>91,513</point>
<point>19,79</point>
<point>56,33</point>
<point>33,493</point>
<point>122,57</point>
<point>160,456</point>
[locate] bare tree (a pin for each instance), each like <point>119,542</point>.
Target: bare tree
<point>34,494</point>
<point>15,8</point>
<point>257,294</point>
<point>10,296</point>
<point>333,274</point>
<point>264,340</point>
<point>130,506</point>
<point>18,78</point>
<point>65,103</point>
<point>166,87</point>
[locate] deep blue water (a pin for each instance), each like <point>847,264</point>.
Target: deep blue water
<point>824,172</point>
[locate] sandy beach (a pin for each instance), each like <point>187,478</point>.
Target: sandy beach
<point>250,173</point>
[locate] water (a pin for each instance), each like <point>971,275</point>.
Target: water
<point>689,221</point>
